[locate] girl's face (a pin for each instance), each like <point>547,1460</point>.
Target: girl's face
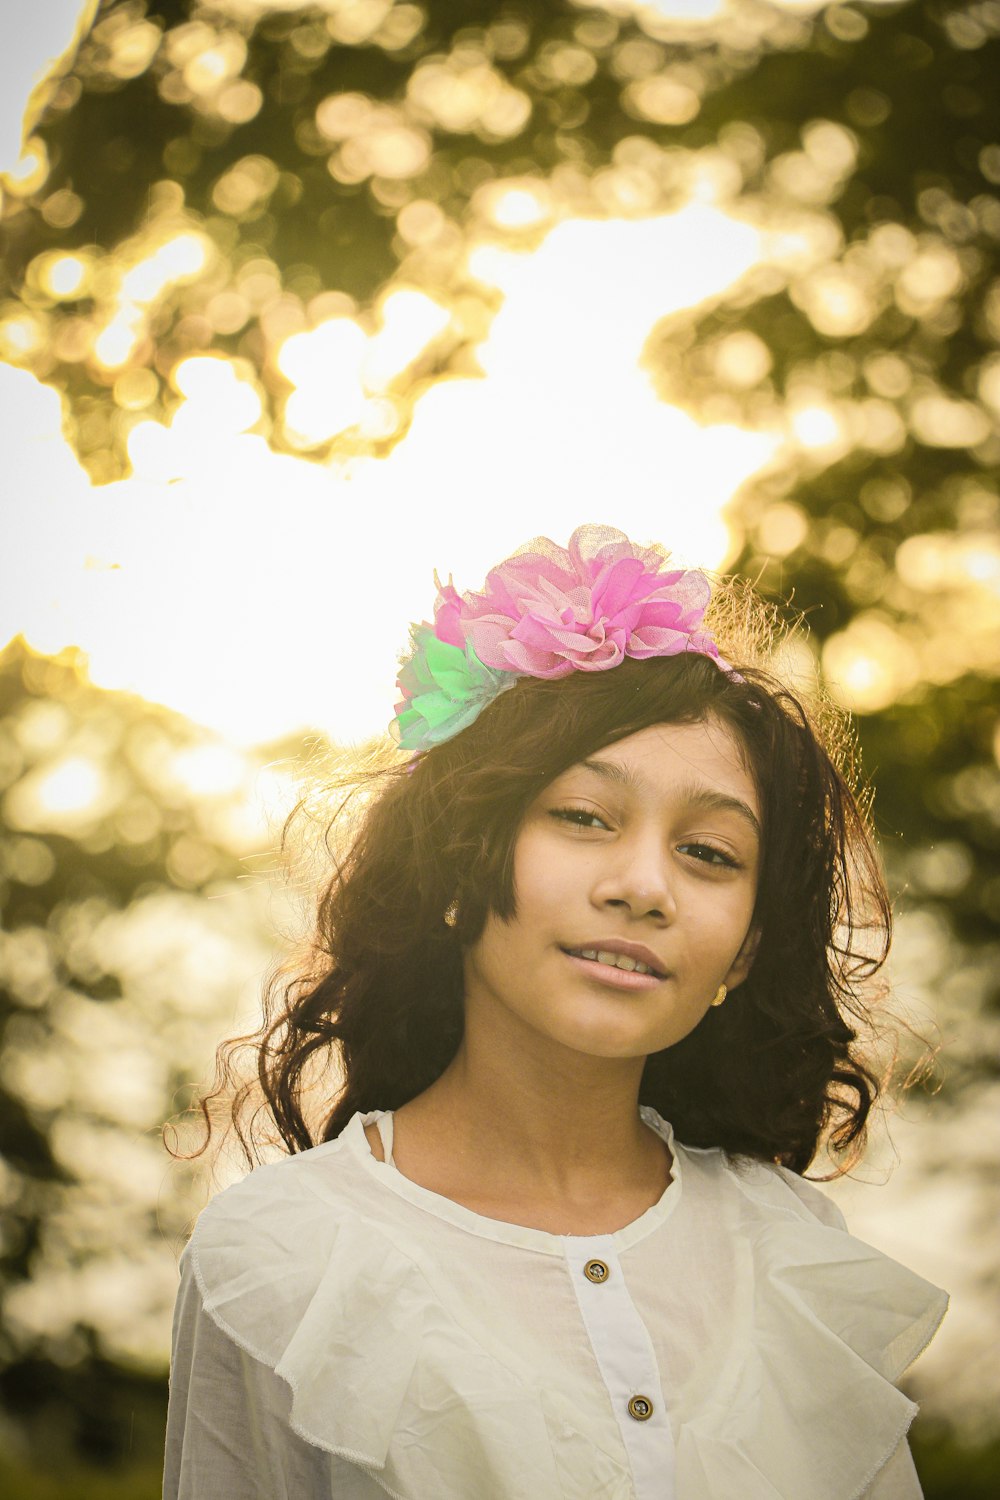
<point>646,852</point>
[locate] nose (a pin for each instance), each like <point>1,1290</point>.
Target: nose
<point>637,879</point>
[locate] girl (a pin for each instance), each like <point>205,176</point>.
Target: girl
<point>583,1007</point>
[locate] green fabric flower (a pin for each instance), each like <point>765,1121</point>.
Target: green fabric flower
<point>444,689</point>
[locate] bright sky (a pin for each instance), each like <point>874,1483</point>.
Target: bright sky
<point>34,36</point>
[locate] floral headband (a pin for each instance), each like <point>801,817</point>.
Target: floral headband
<point>545,612</point>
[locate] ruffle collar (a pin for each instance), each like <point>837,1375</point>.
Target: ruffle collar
<point>383,1375</point>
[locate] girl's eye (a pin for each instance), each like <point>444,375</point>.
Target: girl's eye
<point>580,817</point>
<point>709,855</point>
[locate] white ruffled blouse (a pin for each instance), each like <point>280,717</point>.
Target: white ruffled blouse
<point>342,1333</point>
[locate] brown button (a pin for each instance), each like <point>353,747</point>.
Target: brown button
<point>596,1270</point>
<point>641,1408</point>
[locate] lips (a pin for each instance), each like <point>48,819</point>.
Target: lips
<point>632,958</point>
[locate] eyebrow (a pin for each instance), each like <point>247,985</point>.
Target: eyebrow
<point>696,796</point>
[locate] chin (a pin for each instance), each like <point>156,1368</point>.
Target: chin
<point>614,1043</point>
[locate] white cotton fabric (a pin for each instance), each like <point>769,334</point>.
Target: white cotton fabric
<point>342,1333</point>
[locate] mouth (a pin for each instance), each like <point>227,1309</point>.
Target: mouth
<point>623,962</point>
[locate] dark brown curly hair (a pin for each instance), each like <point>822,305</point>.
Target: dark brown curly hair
<point>372,1014</point>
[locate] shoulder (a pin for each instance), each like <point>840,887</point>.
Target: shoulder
<point>790,1191</point>
<point>758,1188</point>
<point>808,1266</point>
<point>277,1197</point>
<point>279,1224</point>
<point>805,1295</point>
<point>309,1229</point>
<point>709,1172</point>
<point>810,1196</point>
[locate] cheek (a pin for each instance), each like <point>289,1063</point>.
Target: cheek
<point>538,872</point>
<point>496,954</point>
<point>719,927</point>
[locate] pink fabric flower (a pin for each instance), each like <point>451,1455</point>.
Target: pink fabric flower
<point>549,610</point>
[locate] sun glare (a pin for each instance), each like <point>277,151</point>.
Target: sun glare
<point>870,664</point>
<point>177,258</point>
<point>157,266</point>
<point>74,785</point>
<point>29,171</point>
<point>66,275</point>
<point>209,770</point>
<point>411,320</point>
<point>815,426</point>
<point>324,367</point>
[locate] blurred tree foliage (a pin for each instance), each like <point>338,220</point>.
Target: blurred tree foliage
<point>313,155</point>
<point>131,911</point>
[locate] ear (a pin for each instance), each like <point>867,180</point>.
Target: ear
<point>743,962</point>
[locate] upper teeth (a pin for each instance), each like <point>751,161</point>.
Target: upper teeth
<point>615,960</point>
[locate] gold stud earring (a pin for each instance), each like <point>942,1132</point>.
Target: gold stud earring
<point>451,914</point>
<point>720,995</point>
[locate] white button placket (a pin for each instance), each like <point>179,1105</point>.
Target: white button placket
<point>627,1363</point>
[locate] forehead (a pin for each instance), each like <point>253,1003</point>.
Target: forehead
<point>665,756</point>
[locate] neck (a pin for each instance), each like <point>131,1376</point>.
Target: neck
<point>515,1106</point>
